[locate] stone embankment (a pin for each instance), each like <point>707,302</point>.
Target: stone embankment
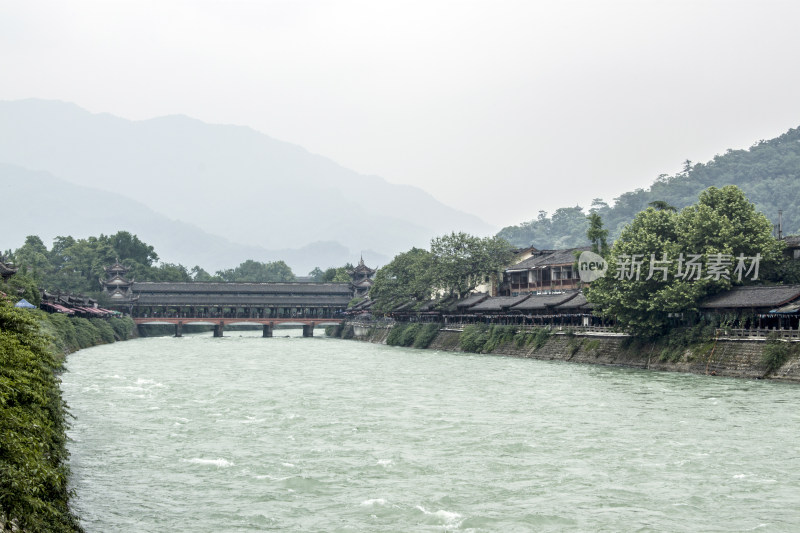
<point>731,357</point>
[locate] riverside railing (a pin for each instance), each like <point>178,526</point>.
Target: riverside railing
<point>756,333</point>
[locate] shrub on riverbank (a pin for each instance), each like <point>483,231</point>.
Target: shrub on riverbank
<point>33,455</point>
<point>412,334</point>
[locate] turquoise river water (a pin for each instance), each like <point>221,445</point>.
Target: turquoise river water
<point>250,434</point>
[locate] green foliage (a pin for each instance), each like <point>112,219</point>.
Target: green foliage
<point>426,335</point>
<point>409,276</point>
<point>461,262</point>
<point>565,229</point>
<point>474,337</point>
<point>722,221</point>
<point>256,272</point>
<point>336,275</point>
<point>768,172</point>
<point>480,338</point>
<point>33,456</point>
<point>776,353</point>
<point>412,334</point>
<point>597,235</point>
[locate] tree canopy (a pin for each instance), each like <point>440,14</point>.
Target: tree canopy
<point>455,265</point>
<point>768,173</point>
<point>665,262</point>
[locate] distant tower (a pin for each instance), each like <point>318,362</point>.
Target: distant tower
<point>361,279</point>
<point>116,285</point>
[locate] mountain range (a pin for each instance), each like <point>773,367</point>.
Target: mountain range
<point>205,194</point>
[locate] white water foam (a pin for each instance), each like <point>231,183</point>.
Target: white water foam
<point>449,518</point>
<point>372,502</point>
<point>219,463</point>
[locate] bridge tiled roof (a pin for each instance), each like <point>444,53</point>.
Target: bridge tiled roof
<point>240,288</point>
<point>245,294</point>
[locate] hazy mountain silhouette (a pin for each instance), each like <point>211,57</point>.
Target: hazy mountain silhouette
<point>230,181</point>
<point>37,203</point>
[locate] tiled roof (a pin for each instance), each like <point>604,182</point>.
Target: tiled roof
<point>771,296</point>
<point>471,300</point>
<point>792,241</point>
<point>543,301</point>
<point>499,303</point>
<point>232,299</point>
<point>549,258</point>
<point>579,301</point>
<point>150,287</point>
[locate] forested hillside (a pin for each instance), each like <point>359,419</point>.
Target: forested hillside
<point>768,172</point>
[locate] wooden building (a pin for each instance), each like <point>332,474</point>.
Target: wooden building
<point>756,306</point>
<point>543,271</point>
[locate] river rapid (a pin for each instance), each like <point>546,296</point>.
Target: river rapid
<point>243,433</point>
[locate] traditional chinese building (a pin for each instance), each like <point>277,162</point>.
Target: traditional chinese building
<point>116,285</point>
<point>361,279</point>
<point>543,271</point>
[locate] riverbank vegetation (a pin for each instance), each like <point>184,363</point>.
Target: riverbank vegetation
<point>454,266</point>
<point>723,223</point>
<point>33,455</point>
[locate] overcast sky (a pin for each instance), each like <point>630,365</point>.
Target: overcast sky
<point>500,108</point>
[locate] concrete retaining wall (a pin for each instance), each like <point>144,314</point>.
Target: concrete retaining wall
<point>728,357</point>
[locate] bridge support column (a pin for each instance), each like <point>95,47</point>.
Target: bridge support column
<point>267,330</point>
<point>308,330</point>
<point>179,329</point>
<point>218,329</point>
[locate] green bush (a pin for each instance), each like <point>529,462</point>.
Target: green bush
<point>474,337</point>
<point>426,335</point>
<point>104,330</point>
<point>122,326</point>
<point>396,333</point>
<point>410,333</point>
<point>775,354</point>
<point>33,455</point>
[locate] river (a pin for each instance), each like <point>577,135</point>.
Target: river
<point>300,434</point>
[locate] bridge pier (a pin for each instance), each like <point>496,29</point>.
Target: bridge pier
<point>308,330</point>
<point>179,329</point>
<point>218,329</point>
<point>267,330</point>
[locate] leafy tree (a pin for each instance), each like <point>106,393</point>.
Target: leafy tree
<point>723,221</point>
<point>662,205</point>
<point>130,247</point>
<point>257,272</point>
<point>338,275</point>
<point>409,276</point>
<point>461,261</point>
<point>170,272</point>
<point>597,235</point>
<point>199,274</point>
<point>316,274</point>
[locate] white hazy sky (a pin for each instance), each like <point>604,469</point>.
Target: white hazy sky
<point>500,108</point>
